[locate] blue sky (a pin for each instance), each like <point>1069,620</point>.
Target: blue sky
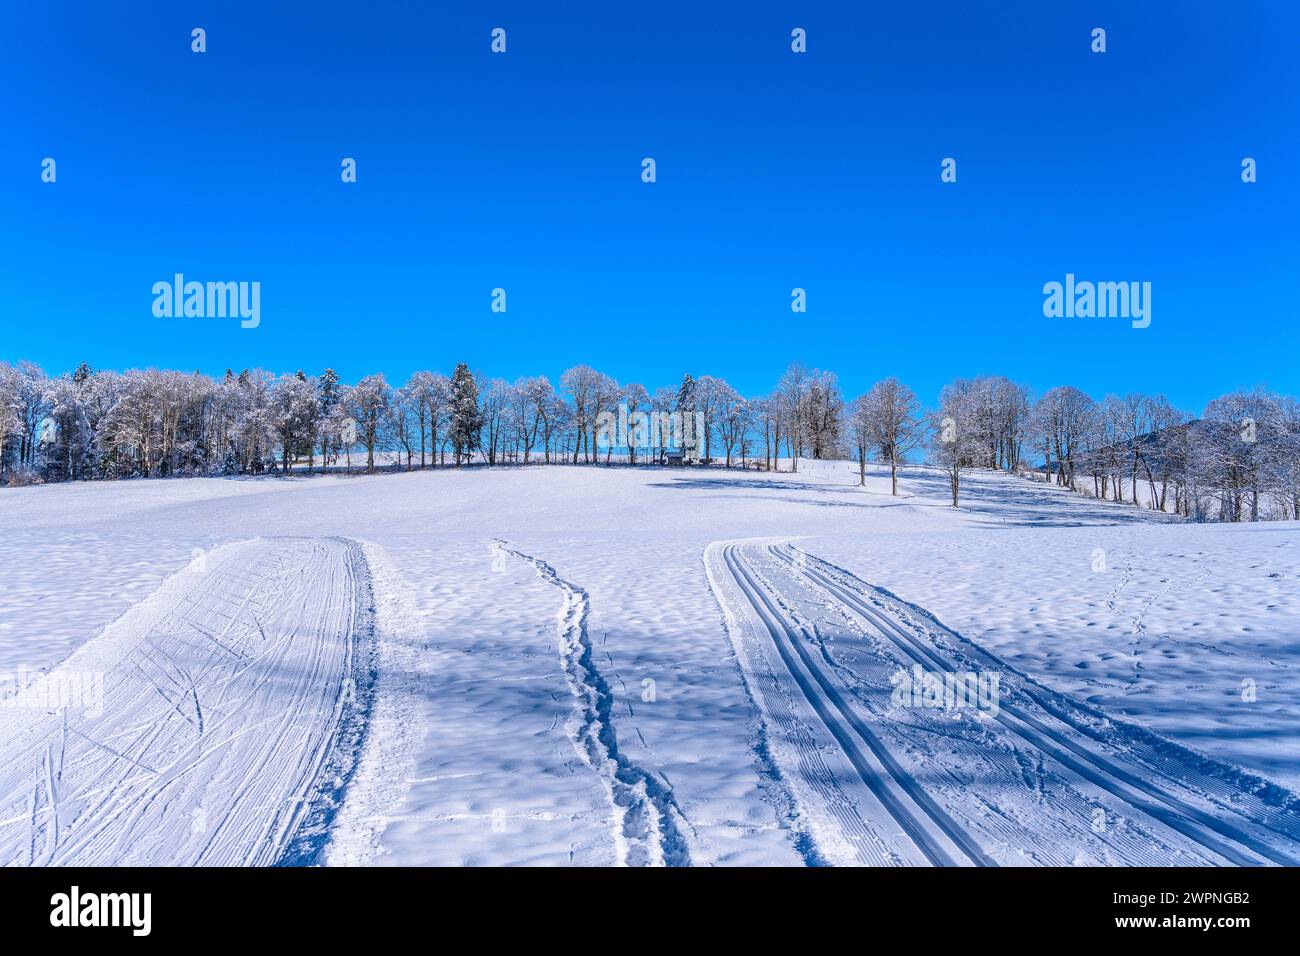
<point>775,170</point>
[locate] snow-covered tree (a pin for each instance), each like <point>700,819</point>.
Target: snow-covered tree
<point>582,384</point>
<point>955,433</point>
<point>10,406</point>
<point>636,401</point>
<point>466,417</point>
<point>1062,420</point>
<point>296,415</point>
<point>494,403</point>
<point>732,421</point>
<point>1239,462</point>
<point>367,402</point>
<point>892,424</point>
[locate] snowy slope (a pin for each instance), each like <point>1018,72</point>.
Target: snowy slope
<point>1032,777</point>
<point>196,729</point>
<point>562,677</point>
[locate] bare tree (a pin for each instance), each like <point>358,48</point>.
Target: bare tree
<point>636,405</point>
<point>1062,419</point>
<point>367,402</point>
<point>296,413</point>
<point>493,402</point>
<point>860,432</point>
<point>893,423</point>
<point>582,383</point>
<point>733,420</point>
<point>954,433</point>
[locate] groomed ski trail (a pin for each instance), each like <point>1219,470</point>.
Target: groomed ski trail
<point>233,705</point>
<point>886,816</point>
<point>1027,781</point>
<point>648,827</point>
<point>1184,792</point>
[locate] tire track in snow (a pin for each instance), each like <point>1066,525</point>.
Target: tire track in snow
<point>226,727</point>
<point>924,823</point>
<point>1239,843</point>
<point>648,825</point>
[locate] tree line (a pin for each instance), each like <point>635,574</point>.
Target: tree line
<point>1239,461</point>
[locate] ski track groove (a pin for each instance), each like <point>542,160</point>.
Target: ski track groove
<point>805,768</point>
<point>223,725</point>
<point>889,616</point>
<point>647,823</point>
<point>904,799</point>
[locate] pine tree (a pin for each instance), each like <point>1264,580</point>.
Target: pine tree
<point>686,394</point>
<point>466,418</point>
<point>329,400</point>
<point>686,412</point>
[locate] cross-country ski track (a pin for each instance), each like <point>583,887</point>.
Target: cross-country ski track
<point>219,720</point>
<point>1040,779</point>
<point>233,705</point>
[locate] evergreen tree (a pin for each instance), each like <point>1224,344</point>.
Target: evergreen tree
<point>686,413</point>
<point>686,394</point>
<point>466,418</point>
<point>329,400</point>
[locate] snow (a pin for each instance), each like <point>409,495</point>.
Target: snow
<point>567,671</point>
<point>195,729</point>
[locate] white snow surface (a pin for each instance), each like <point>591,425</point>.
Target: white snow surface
<point>625,666</point>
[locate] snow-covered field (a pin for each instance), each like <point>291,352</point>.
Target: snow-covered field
<point>588,665</point>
